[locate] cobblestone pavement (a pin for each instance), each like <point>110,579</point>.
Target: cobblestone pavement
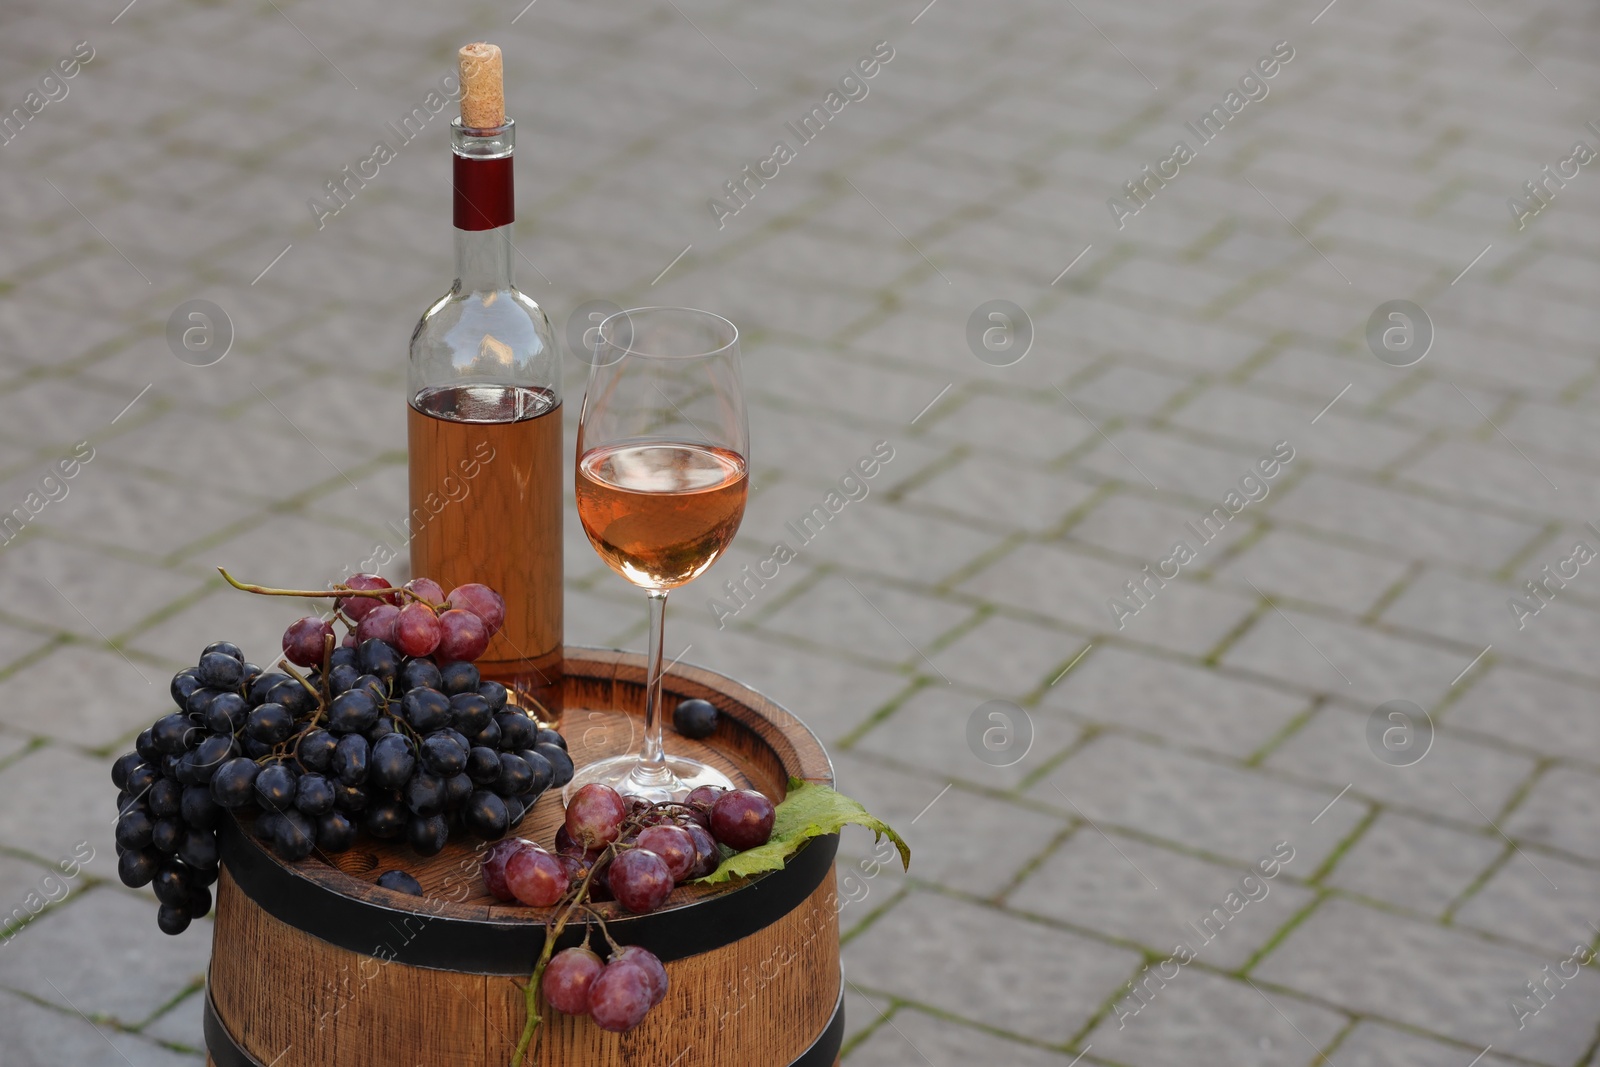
<point>1199,330</point>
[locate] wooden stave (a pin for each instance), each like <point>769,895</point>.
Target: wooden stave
<point>610,679</point>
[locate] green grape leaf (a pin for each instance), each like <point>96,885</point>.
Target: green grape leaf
<point>808,811</point>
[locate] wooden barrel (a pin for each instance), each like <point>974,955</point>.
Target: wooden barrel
<point>315,965</point>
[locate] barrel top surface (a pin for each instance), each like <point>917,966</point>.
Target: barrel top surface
<point>758,744</point>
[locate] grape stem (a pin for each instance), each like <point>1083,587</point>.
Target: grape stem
<point>339,591</point>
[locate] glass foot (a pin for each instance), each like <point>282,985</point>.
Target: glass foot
<point>673,779</point>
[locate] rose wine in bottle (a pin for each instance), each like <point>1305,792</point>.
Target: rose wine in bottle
<point>484,424</point>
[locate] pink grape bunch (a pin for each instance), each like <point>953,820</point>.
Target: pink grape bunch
<point>417,619</point>
<point>635,853</point>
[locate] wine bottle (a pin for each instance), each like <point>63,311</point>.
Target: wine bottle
<point>484,424</point>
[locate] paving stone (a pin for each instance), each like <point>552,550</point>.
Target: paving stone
<point>1123,887</point>
<point>1350,662</point>
<point>1442,981</point>
<point>1336,438</point>
<point>930,730</point>
<point>1201,805</point>
<point>1496,476</point>
<point>959,839</point>
<point>869,620</point>
<point>1030,430</point>
<point>1560,810</point>
<point>1002,492</point>
<point>31,819</point>
<point>1376,1045</point>
<point>1186,704</point>
<point>87,593</point>
<point>81,955</point>
<point>1279,564</point>
<point>1413,528</point>
<point>38,1036</point>
<point>1006,657</point>
<point>1123,387</point>
<point>883,539</point>
<point>83,709</point>
<point>1414,864</point>
<point>1200,1017</point>
<point>937,1040</point>
<point>897,955</point>
<point>1531,710</point>
<point>1518,902</point>
<point>1187,616</point>
<point>182,1024</point>
<point>1333,748</point>
<point>1133,524</point>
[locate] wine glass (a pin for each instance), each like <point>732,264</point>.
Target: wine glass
<point>663,446</point>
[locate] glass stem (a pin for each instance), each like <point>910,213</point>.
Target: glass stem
<point>651,755</point>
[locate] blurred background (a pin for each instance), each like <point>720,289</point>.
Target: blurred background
<point>1354,313</point>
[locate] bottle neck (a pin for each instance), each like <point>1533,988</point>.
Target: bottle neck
<point>483,260</point>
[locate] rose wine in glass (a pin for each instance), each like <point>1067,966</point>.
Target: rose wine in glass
<point>661,482</point>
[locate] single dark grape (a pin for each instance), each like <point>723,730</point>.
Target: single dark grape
<point>294,836</point>
<point>165,797</point>
<point>561,768</point>
<point>489,736</point>
<point>352,713</point>
<point>226,713</point>
<point>120,769</point>
<point>141,778</point>
<point>350,798</point>
<point>400,882</point>
<point>264,685</point>
<point>673,844</point>
<point>392,761</point>
<point>199,901</point>
<point>267,827</point>
<point>516,778</point>
<point>539,767</point>
<point>459,677</point>
<point>336,832</point>
<point>640,880</point>
<point>424,794</point>
<point>495,694</point>
<point>315,750</point>
<point>379,658</point>
<point>470,713</point>
<point>494,867</point>
<point>134,828</point>
<point>292,695</point>
<point>428,836</point>
<point>695,718</point>
<point>212,753</point>
<point>426,710</point>
<point>184,682</point>
<point>483,765</point>
<point>418,674</point>
<point>707,857</point>
<point>227,648</point>
<point>249,746</point>
<point>552,737</point>
<point>387,820</point>
<point>198,810</point>
<point>381,729</point>
<point>313,795</point>
<point>517,731</point>
<point>172,884</point>
<point>516,808</point>
<point>205,876</point>
<point>218,670</point>
<point>700,801</point>
<point>416,629</point>
<point>234,784</point>
<point>172,734</point>
<point>443,755</point>
<point>350,759</point>
<point>651,964</point>
<point>173,920</point>
<point>275,787</point>
<point>342,678</point>
<point>136,867</point>
<point>462,637</point>
<point>457,788</point>
<point>485,815</point>
<point>145,745</point>
<point>199,849</point>
<point>271,724</point>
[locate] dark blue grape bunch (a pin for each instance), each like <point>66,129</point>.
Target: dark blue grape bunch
<point>368,740</point>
